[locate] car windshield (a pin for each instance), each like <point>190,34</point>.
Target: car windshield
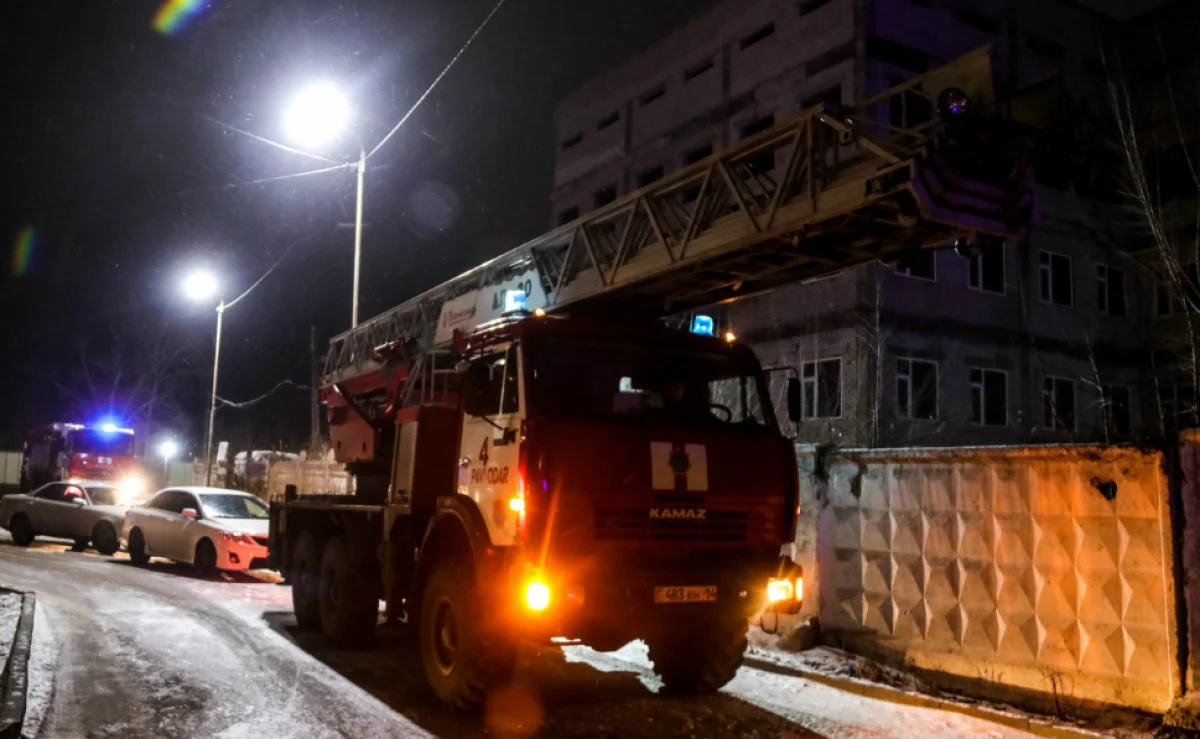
<point>577,378</point>
<point>220,505</point>
<point>97,441</point>
<point>102,495</point>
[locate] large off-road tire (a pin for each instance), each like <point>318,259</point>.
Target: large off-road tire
<point>104,538</point>
<point>701,657</point>
<point>306,582</point>
<point>205,559</point>
<point>347,599</point>
<point>463,659</point>
<point>21,530</point>
<point>137,548</point>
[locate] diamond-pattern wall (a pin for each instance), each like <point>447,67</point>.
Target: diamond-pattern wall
<point>1007,564</point>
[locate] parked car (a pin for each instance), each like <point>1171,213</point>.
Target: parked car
<point>210,528</point>
<point>87,511</point>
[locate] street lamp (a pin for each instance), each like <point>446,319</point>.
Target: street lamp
<point>316,117</point>
<point>202,287</point>
<point>167,450</point>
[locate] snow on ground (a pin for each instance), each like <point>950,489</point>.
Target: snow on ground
<point>822,709</point>
<point>10,614</point>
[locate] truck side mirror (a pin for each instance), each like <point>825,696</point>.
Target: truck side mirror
<point>794,404</point>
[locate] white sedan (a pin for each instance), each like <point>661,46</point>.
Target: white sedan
<point>210,528</point>
<point>84,510</point>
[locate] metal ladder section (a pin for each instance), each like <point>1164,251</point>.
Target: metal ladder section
<point>825,190</point>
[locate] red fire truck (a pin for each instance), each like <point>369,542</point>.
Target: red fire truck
<point>537,454</point>
<point>62,451</point>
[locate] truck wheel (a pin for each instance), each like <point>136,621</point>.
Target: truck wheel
<point>137,548</point>
<point>21,530</point>
<point>306,578</point>
<point>348,604</point>
<point>702,658</point>
<point>104,537</point>
<point>461,662</point>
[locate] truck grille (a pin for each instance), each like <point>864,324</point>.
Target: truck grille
<point>635,524</point>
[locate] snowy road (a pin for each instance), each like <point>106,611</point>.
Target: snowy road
<point>125,652</point>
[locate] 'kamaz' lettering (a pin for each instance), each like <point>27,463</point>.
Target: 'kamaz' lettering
<point>691,514</point>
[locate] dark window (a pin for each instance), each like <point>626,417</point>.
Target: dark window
<point>762,162</point>
<point>494,383</point>
<point>696,70</point>
<point>1058,404</point>
<point>989,397</point>
<point>985,267</point>
<point>648,176</point>
<point>831,58</point>
<point>608,120</point>
<point>653,95</point>
<point>1116,409</point>
<point>699,154</point>
<point>1094,68</point>
<point>1054,273</point>
<point>897,55</point>
<point>758,126</point>
<point>572,142</point>
<point>604,196</point>
<point>1110,290</point>
<point>568,215</point>
<point>909,109</point>
<point>762,33</point>
<point>54,492</point>
<point>1169,173</point>
<point>982,22</point>
<point>821,382</point>
<point>810,5</point>
<point>916,389</point>
<point>922,3</point>
<point>1045,48</point>
<point>1178,404</point>
<point>921,264</point>
<point>830,96</point>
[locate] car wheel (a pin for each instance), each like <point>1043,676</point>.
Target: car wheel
<point>104,538</point>
<point>137,548</point>
<point>206,557</point>
<point>21,530</point>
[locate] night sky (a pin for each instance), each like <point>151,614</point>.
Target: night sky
<point>114,182</point>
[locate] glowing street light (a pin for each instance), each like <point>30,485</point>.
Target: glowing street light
<point>317,116</point>
<point>203,287</point>
<point>168,449</point>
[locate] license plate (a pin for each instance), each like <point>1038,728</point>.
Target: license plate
<point>686,594</point>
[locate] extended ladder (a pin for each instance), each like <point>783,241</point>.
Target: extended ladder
<point>825,190</point>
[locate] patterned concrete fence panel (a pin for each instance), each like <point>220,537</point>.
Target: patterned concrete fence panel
<point>311,476</point>
<point>1022,573</point>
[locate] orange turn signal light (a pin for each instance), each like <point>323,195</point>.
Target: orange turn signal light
<point>780,590</point>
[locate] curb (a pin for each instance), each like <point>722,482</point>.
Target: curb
<point>892,695</point>
<point>14,680</point>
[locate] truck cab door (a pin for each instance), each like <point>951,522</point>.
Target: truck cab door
<point>489,452</point>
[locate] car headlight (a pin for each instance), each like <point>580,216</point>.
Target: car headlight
<point>130,490</point>
<point>238,538</point>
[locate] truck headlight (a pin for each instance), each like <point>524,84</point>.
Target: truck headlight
<point>537,595</point>
<point>780,590</point>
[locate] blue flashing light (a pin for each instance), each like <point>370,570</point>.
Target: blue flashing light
<point>514,300</point>
<point>703,325</point>
<point>109,428</point>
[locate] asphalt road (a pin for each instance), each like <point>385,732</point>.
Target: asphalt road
<point>121,651</point>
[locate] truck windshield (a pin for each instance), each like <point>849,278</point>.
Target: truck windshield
<point>593,379</point>
<point>95,441</point>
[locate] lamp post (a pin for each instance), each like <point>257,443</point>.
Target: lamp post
<point>202,286</point>
<point>317,116</point>
<point>167,450</point>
